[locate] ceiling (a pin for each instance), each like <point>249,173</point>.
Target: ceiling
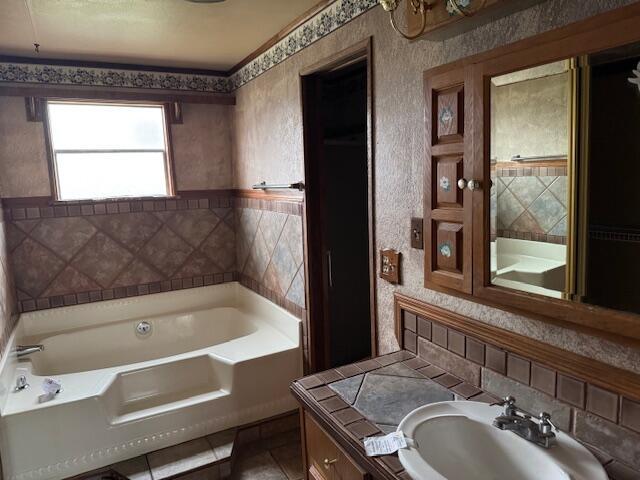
<point>171,33</point>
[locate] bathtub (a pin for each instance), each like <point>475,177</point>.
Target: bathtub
<point>143,373</point>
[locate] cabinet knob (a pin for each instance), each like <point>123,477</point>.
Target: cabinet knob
<point>473,185</point>
<point>328,463</point>
<point>462,183</point>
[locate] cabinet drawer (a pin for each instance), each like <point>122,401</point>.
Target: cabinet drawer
<point>326,460</point>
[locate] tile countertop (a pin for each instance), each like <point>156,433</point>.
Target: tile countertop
<point>371,398</point>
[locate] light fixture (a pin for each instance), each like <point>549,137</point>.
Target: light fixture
<point>421,7</point>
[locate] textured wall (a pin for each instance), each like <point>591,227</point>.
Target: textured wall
<point>530,118</point>
<point>268,146</point>
<point>201,148</point>
<point>8,302</point>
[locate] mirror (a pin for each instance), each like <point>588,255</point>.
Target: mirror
<point>565,165</point>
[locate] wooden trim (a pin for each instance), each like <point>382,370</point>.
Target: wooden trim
<point>61,92</point>
<point>538,163</point>
<point>597,33</point>
<point>362,50</point>
<point>281,34</point>
<point>271,195</point>
<point>608,30</point>
<point>592,371</point>
<point>48,201</point>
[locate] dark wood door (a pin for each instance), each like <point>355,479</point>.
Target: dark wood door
<point>448,181</point>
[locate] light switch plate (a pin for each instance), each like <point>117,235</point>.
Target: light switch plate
<point>390,265</point>
<point>416,234</point>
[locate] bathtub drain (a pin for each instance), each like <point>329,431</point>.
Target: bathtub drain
<point>143,328</point>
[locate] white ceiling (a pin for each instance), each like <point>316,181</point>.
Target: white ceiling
<point>173,33</point>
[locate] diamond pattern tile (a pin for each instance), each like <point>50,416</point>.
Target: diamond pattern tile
<point>98,250</point>
<point>65,236</point>
<point>509,208</point>
<point>270,251</point>
<point>387,400</point>
<point>193,225</point>
<point>70,280</point>
<point>526,189</point>
<point>547,210</point>
<point>34,267</point>
<point>271,225</point>
<point>220,247</point>
<point>102,259</point>
<point>198,264</point>
<point>531,204</point>
<point>133,230</point>
<point>166,251</point>
<point>137,273</point>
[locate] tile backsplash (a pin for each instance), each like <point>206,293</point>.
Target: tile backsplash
<point>605,421</point>
<point>530,203</point>
<point>69,254</point>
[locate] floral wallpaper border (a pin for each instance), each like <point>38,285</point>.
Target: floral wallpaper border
<point>323,23</point>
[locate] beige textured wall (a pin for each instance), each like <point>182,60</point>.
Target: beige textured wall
<point>530,118</point>
<point>268,146</point>
<point>23,161</point>
<point>201,147</point>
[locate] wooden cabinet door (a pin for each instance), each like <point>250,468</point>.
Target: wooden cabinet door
<point>447,172</point>
<point>326,460</point>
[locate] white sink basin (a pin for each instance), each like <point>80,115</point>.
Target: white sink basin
<point>457,441</point>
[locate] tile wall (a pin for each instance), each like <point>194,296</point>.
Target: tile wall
<point>608,423</point>
<point>270,253</point>
<point>8,302</point>
<point>79,253</point>
<point>529,203</point>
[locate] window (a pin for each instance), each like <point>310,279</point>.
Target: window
<point>108,150</point>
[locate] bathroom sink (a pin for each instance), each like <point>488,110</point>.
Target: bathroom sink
<point>456,440</point>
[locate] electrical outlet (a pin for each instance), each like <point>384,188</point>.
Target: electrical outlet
<point>416,233</point>
<point>390,265</point>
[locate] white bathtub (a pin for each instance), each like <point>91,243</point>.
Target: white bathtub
<point>216,357</point>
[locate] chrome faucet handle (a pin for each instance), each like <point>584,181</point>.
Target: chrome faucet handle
<point>21,383</point>
<point>508,400</point>
<point>546,424</point>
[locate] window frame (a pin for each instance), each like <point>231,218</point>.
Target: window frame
<point>169,169</point>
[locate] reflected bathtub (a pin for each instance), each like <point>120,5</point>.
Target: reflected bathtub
<point>141,374</point>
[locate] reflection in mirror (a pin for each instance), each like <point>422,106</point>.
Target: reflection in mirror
<point>530,147</point>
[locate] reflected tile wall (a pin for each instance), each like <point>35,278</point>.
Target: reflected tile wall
<point>530,204</point>
<point>66,255</point>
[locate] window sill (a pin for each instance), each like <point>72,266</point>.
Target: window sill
<point>54,203</point>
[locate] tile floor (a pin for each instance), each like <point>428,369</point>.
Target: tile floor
<point>268,451</point>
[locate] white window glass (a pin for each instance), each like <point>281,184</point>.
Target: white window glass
<point>108,150</point>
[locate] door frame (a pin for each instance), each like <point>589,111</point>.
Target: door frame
<point>317,330</point>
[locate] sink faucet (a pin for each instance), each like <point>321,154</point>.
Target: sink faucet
<point>24,350</point>
<point>520,422</point>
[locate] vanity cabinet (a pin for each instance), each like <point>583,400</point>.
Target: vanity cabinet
<point>545,253</point>
<point>325,460</point>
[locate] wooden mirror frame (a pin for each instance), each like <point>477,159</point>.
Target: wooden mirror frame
<point>601,32</point>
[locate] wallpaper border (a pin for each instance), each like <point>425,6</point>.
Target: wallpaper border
<point>320,25</point>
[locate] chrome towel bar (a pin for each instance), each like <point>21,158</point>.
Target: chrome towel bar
<point>279,186</point>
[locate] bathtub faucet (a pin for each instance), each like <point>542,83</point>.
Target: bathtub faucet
<point>24,350</point>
